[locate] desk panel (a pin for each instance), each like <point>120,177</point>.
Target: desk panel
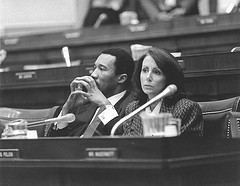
<point>139,161</point>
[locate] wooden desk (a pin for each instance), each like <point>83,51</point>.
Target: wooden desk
<point>189,35</point>
<point>137,161</point>
<point>208,77</point>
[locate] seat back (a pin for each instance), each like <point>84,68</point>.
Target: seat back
<point>215,116</point>
<point>234,120</point>
<point>31,115</point>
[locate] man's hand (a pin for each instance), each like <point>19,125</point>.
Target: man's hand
<point>91,92</point>
<point>74,100</point>
<point>163,16</point>
<point>170,15</point>
<point>84,89</point>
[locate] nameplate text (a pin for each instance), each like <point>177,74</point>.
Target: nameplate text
<point>99,153</point>
<point>9,153</point>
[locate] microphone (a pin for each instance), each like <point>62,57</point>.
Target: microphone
<point>66,118</point>
<point>66,56</point>
<point>236,49</point>
<point>102,17</point>
<point>169,91</point>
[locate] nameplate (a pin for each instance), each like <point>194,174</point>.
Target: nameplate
<point>26,75</point>
<point>101,153</point>
<point>207,20</point>
<point>138,27</point>
<point>11,41</point>
<point>9,153</point>
<point>72,35</point>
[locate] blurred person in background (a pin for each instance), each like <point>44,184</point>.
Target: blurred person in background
<point>104,12</point>
<point>168,9</point>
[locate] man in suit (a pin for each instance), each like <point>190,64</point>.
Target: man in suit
<point>109,85</point>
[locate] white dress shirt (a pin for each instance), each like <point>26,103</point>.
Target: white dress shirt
<point>156,110</point>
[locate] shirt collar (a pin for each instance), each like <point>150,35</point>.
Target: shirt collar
<point>156,110</point>
<point>115,98</point>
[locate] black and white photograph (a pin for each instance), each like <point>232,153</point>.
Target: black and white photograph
<point>119,92</point>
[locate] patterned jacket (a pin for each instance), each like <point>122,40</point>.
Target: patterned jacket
<point>188,111</point>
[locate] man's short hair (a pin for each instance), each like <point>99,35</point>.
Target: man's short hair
<point>124,62</point>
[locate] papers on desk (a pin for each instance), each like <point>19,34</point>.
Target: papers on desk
<point>32,134</point>
<point>176,54</point>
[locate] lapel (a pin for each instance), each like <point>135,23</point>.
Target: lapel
<point>84,114</point>
<point>167,106</point>
<point>120,107</point>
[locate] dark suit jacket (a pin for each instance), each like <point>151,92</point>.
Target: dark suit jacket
<point>84,115</point>
<point>188,111</point>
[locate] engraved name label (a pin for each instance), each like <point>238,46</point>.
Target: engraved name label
<point>9,153</point>
<point>97,153</point>
<point>26,75</point>
<point>207,20</point>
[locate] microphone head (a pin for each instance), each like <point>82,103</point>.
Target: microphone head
<point>65,51</point>
<point>172,89</point>
<point>66,56</point>
<point>103,16</point>
<point>68,118</point>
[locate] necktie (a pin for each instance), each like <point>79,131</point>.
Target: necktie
<point>92,125</point>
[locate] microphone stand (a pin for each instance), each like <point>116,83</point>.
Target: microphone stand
<point>38,123</point>
<point>170,90</point>
<point>66,118</point>
<point>102,17</point>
